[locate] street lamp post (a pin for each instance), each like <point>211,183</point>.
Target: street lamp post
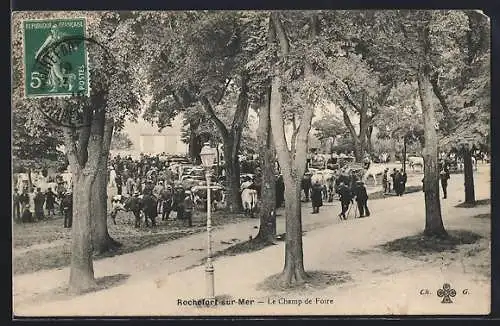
<point>207,158</point>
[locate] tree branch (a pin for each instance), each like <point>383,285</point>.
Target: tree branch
<point>348,123</point>
<point>209,109</point>
<point>278,127</point>
<point>241,114</point>
<point>437,91</point>
<point>71,150</point>
<point>223,92</point>
<point>280,33</point>
<point>349,98</point>
<point>302,146</point>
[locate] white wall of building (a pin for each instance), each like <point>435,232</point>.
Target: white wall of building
<point>146,138</point>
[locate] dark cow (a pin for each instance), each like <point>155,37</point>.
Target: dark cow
<point>149,207</point>
<point>136,204</point>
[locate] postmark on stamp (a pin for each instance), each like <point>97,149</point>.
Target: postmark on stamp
<point>55,58</point>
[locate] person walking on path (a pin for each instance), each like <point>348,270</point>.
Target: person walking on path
<point>444,175</point>
<point>397,183</point>
<point>316,196</point>
<point>345,199</point>
<point>402,182</point>
<point>362,199</point>
<point>306,184</point>
<point>393,177</point>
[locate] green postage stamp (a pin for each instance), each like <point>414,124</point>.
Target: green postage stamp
<point>55,58</point>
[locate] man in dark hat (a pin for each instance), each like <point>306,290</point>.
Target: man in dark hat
<point>394,176</point>
<point>39,201</point>
<point>345,199</point>
<point>362,199</point>
<point>306,184</point>
<point>444,175</point>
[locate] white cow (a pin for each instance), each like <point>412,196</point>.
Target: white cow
<point>322,176</point>
<point>373,171</point>
<point>249,200</point>
<point>416,161</point>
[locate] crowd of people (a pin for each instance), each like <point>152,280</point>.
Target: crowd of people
<point>158,175</point>
<point>35,204</point>
<point>399,179</point>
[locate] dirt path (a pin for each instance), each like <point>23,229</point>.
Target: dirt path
<point>400,215</point>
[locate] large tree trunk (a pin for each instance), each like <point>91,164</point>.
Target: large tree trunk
<point>468,177</point>
<point>433,220</point>
<point>392,152</point>
<point>293,164</point>
<point>267,229</point>
<point>232,141</point>
<point>82,271</point>
<point>358,151</point>
<point>363,128</point>
<point>294,260</point>
<point>84,163</point>
<point>358,146</point>
<point>293,271</point>
<point>101,240</point>
<point>232,176</point>
<point>195,145</point>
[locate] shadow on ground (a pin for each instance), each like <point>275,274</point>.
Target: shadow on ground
<point>419,245</point>
<point>382,195</point>
<point>62,293</point>
<point>481,202</point>
<point>317,280</point>
<point>58,256</point>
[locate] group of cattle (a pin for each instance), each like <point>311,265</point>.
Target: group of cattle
<point>149,207</point>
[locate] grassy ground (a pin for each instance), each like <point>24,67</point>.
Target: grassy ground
<point>46,244</point>
<point>419,245</point>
